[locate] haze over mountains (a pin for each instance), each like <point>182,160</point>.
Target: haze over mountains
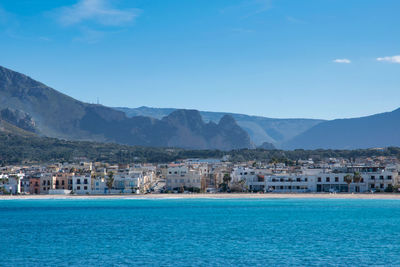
<point>30,107</point>
<point>380,130</point>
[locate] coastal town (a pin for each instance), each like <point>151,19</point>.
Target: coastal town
<point>190,176</point>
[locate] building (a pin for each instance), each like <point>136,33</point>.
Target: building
<point>34,185</point>
<point>25,184</point>
<point>82,184</point>
<point>372,179</point>
<point>181,177</point>
<point>64,181</point>
<point>99,185</point>
<point>296,183</point>
<point>48,182</point>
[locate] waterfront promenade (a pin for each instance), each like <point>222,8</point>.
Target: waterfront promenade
<point>214,196</point>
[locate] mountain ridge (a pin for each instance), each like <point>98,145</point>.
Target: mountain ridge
<point>261,129</point>
<point>60,116</point>
<point>378,130</point>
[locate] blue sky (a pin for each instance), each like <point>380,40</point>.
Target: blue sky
<point>276,58</point>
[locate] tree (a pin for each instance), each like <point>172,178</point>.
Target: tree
<point>389,188</point>
<point>357,179</point>
<point>110,181</point>
<point>348,179</point>
<point>225,182</point>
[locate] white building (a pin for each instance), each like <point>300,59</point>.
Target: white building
<point>99,185</point>
<point>298,183</point>
<point>372,178</point>
<point>317,180</point>
<point>182,176</point>
<point>10,184</point>
<point>82,184</point>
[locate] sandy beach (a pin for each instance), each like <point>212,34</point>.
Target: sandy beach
<point>211,196</point>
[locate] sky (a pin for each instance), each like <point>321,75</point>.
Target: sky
<point>321,59</point>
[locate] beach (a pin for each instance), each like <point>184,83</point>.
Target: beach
<point>212,196</point>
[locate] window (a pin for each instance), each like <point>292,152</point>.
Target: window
<point>78,188</point>
<point>305,179</point>
<point>62,182</point>
<point>78,181</point>
<point>382,185</point>
<point>389,177</point>
<point>336,179</point>
<point>381,177</point>
<point>372,177</point>
<point>85,181</point>
<point>85,188</point>
<point>328,179</point>
<point>319,179</point>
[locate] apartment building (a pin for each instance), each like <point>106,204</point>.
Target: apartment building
<point>48,182</point>
<point>82,184</point>
<point>182,176</point>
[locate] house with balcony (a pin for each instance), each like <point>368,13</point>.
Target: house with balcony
<point>290,183</point>
<point>47,182</point>
<point>82,184</point>
<point>184,177</point>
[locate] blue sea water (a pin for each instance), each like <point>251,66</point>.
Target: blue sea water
<point>200,232</point>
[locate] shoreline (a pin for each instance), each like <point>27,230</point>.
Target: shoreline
<point>210,196</point>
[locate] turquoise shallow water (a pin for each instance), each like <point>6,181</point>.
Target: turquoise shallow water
<point>199,232</point>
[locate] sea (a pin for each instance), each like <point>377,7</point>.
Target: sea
<point>200,232</point>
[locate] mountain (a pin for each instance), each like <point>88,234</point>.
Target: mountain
<point>192,132</point>
<point>54,114</point>
<point>260,129</point>
<point>380,130</point>
<point>267,146</point>
<point>18,119</point>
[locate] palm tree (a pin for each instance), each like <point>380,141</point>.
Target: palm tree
<point>225,182</point>
<point>348,179</point>
<point>357,179</point>
<point>110,181</point>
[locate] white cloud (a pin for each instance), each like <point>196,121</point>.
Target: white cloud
<point>342,61</point>
<point>98,11</point>
<point>393,59</point>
